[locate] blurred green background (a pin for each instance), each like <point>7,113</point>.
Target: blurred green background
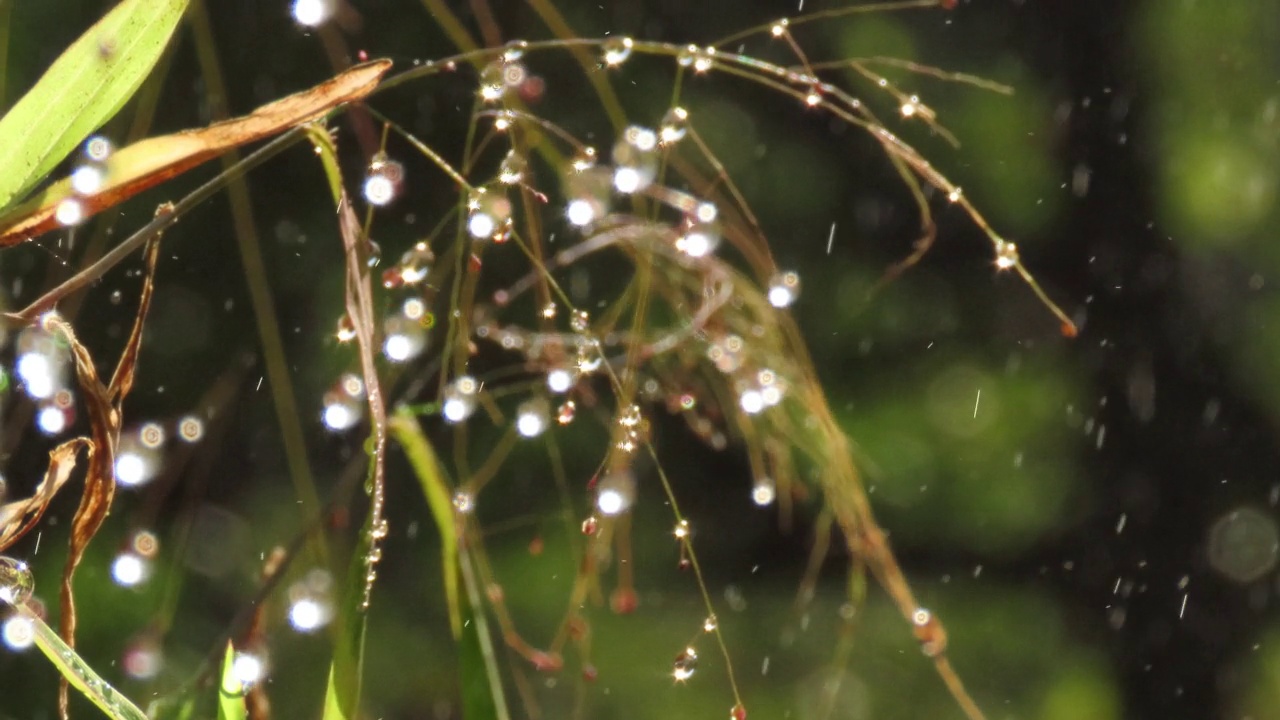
<point>1093,518</point>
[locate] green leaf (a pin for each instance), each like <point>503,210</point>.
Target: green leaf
<point>404,428</point>
<point>478,673</point>
<point>230,690</point>
<point>84,88</point>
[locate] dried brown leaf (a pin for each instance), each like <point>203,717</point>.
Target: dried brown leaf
<point>18,517</point>
<point>150,162</point>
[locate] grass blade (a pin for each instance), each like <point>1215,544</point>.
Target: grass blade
<point>78,673</point>
<point>84,88</point>
<point>479,677</point>
<point>230,690</point>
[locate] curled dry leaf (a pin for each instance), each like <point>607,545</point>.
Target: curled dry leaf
<point>103,404</point>
<point>18,517</point>
<point>150,162</point>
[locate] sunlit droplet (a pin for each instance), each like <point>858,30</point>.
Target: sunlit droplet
<point>405,339</point>
<point>308,614</point>
<point>37,375</point>
<point>459,399</point>
<point>248,668</point>
<point>615,492</point>
<point>566,412</point>
<point>1006,254</point>
<point>615,50</point>
<point>700,240</point>
<point>512,169</point>
<point>531,418</point>
<point>464,502</point>
<point>779,28</point>
<point>191,429</point>
<point>710,624</point>
<point>130,569</point>
<point>69,212</point>
<point>764,492</point>
<point>151,435</point>
<point>784,287</point>
<point>97,149</point>
<point>16,582</point>
<point>339,415</point>
<point>635,160</point>
<point>675,125</point>
<point>52,419</point>
<point>143,659</point>
<point>685,665</point>
<point>313,13</point>
<point>133,468</point>
<point>559,380</point>
<point>88,178</point>
<point>18,632</point>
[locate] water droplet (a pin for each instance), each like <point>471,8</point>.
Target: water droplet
<point>675,125</point>
<point>512,169</point>
<point>383,180</point>
<point>489,214</point>
<point>615,50</point>
<point>699,240</point>
<point>589,525</point>
<point>346,329</point>
<point>738,712</point>
<point>191,428</point>
<point>416,263</point>
<point>459,399</point>
<point>764,491</point>
<point>248,668</point>
<point>1006,254</point>
<point>151,435</point>
<point>635,160</point>
<point>710,624</point>
<point>784,288</point>
<point>514,50</point>
<point>130,569</point>
<point>405,338</point>
<point>531,418</point>
<point>88,178</point>
<point>559,380</point>
<point>615,492</point>
<point>565,413</point>
<point>313,13</point>
<point>97,149</point>
<point>685,665</point>
<point>580,321</point>
<point>18,632</point>
<point>16,581</point>
<point>69,212</point>
<point>779,28</point>
<point>463,501</point>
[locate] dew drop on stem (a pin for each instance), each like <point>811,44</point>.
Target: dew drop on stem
<point>615,50</point>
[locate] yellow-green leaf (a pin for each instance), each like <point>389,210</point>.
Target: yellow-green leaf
<point>230,690</point>
<point>84,88</point>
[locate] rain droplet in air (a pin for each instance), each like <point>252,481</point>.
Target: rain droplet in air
<point>16,581</point>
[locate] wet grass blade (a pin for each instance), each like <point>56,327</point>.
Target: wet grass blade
<point>78,673</point>
<point>84,88</point>
<point>404,428</point>
<point>230,690</point>
<point>480,680</point>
